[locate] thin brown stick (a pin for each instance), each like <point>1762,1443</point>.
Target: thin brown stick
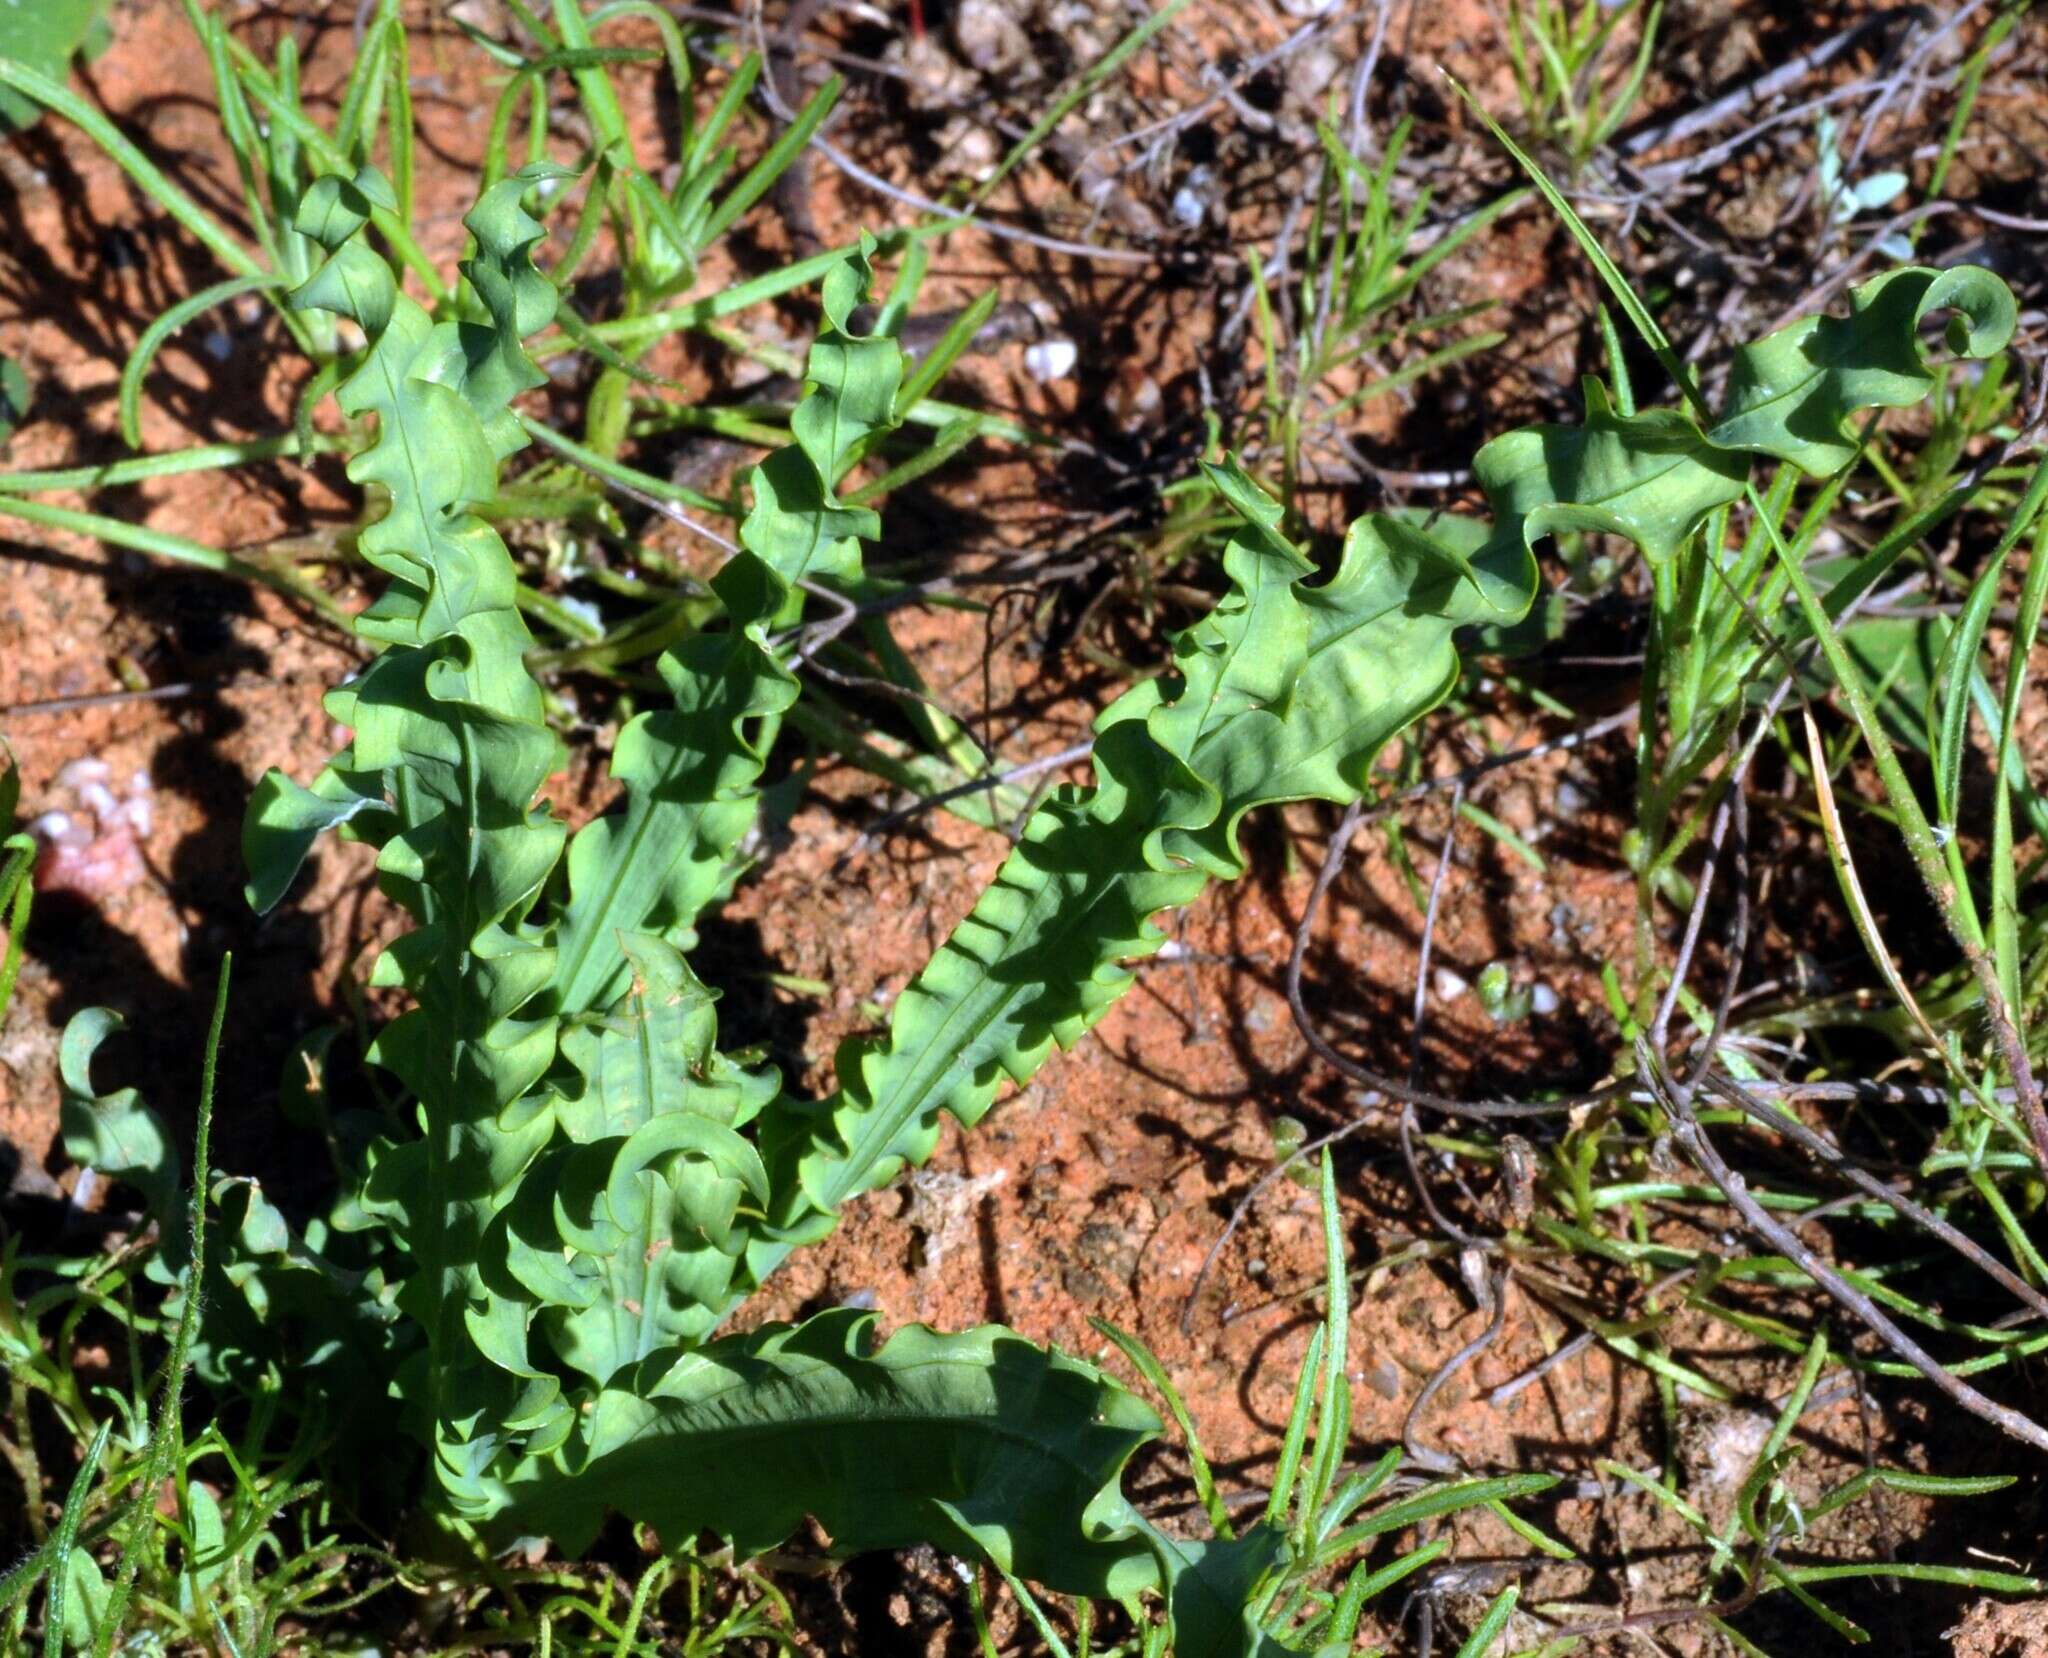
<point>1423,1195</point>
<point>974,785</point>
<point>1695,918</point>
<point>1442,1462</point>
<point>113,699</point>
<point>1571,1349</point>
<point>1783,1239</point>
<point>1750,94</point>
<point>1783,1122</point>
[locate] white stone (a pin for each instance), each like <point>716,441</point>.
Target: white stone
<point>1051,360</point>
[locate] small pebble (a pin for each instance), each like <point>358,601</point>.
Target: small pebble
<point>1050,360</point>
<point>75,774</point>
<point>55,827</point>
<point>1542,1000</point>
<point>1570,800</point>
<point>1449,987</point>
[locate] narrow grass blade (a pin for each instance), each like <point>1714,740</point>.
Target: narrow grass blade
<point>1852,886</point>
<point>1632,307</point>
<point>1333,1421</point>
<point>760,178</point>
<point>1154,1373</point>
<point>168,1432</point>
<point>923,379</point>
<point>2005,917</point>
<point>206,457</point>
<point>65,1538</point>
<point>1491,1625</point>
<point>154,336</point>
<point>177,549</point>
<point>1288,1468</point>
<point>1441,1500</point>
<point>17,893</point>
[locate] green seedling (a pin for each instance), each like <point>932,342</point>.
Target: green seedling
<point>1560,55</point>
<point>1769,1525</point>
<point>1498,997</point>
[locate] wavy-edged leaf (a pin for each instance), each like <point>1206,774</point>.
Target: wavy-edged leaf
<point>273,1295</point>
<point>285,818</point>
<point>115,1134</point>
<point>1792,393</point>
<point>1654,477</point>
<point>1286,691</point>
<point>691,775</point>
<point>448,734</point>
<point>1649,477</point>
<point>978,1442</point>
<point>1212,1590</point>
<point>627,1239</point>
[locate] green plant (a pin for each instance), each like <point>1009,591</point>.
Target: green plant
<point>593,1187</point>
<point>1767,1518</point>
<point>1361,267</point>
<point>536,1261</point>
<point>1744,611</point>
<point>1742,616</point>
<point>17,867</point>
<point>1559,57</point>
